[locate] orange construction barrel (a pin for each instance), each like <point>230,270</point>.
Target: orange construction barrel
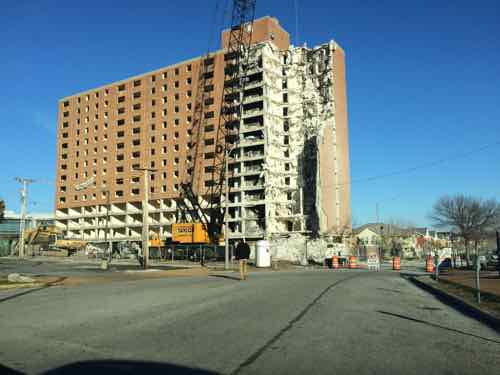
<point>335,261</point>
<point>429,264</point>
<point>352,262</point>
<point>396,264</point>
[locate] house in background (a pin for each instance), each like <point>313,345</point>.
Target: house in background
<point>389,239</point>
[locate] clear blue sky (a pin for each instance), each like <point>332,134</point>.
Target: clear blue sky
<point>423,84</point>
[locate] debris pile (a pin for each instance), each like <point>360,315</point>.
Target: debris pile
<point>17,278</point>
<point>298,248</point>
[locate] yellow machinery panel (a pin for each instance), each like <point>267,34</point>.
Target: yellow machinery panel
<point>189,233</point>
<point>155,241</point>
<point>200,235</point>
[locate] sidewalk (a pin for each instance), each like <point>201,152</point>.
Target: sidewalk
<point>457,288</point>
<point>462,300</point>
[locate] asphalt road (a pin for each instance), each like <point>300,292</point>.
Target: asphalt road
<point>297,322</point>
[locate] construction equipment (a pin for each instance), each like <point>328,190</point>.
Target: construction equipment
<point>72,246</point>
<point>41,235</point>
<point>45,237</point>
<point>155,241</point>
<point>209,211</point>
<point>190,233</point>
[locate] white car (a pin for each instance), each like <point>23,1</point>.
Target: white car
<point>483,261</point>
<point>492,257</point>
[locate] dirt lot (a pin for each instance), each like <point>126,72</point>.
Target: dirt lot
<point>462,284</point>
<point>489,280</point>
<point>74,271</point>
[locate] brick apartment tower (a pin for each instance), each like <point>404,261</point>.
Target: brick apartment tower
<point>289,173</point>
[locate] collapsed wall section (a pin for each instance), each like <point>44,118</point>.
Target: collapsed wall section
<point>300,126</point>
<point>299,248</point>
<point>284,212</point>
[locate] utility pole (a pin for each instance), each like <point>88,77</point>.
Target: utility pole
<point>145,215</point>
<point>436,268</point>
<point>226,217</point>
<point>478,286</point>
<point>24,207</point>
<point>498,252</point>
<point>226,206</point>
<point>381,248</point>
<point>453,255</point>
<point>107,236</point>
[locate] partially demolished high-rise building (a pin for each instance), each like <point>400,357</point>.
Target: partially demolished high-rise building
<point>289,172</point>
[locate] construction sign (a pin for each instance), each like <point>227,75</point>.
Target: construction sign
<point>373,263</point>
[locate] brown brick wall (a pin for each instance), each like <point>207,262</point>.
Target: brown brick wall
<point>176,135</point>
<point>264,29</point>
<point>327,151</point>
<point>152,131</point>
<point>341,122</point>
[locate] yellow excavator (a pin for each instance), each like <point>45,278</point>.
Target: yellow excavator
<point>46,238</point>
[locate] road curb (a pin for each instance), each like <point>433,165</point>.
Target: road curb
<point>458,304</point>
<point>21,285</point>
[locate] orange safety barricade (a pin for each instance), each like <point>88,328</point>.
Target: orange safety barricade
<point>429,264</point>
<point>352,262</point>
<point>396,264</point>
<point>335,261</point>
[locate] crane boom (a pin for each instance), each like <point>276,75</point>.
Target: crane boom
<point>235,59</point>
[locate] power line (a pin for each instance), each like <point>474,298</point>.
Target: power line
<point>419,166</point>
<point>411,169</point>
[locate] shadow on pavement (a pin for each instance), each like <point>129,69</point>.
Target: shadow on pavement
<point>458,304</point>
<point>4,370</point>
<point>237,278</point>
<point>112,367</point>
<point>45,286</point>
<point>437,326</point>
<point>428,308</point>
<point>390,290</point>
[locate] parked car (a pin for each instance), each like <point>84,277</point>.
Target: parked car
<point>483,262</point>
<point>492,258</point>
<point>445,264</point>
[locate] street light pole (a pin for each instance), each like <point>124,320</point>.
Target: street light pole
<point>226,216</point>
<point>226,207</point>
<point>145,215</point>
<point>498,251</point>
<point>106,235</point>
<point>145,221</point>
<point>381,249</point>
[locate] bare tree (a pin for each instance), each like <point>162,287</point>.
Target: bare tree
<point>470,216</point>
<point>2,209</point>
